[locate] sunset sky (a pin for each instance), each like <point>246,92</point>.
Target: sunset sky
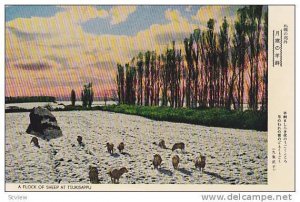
<point>51,50</point>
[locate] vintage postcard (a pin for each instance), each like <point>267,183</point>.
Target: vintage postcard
<point>149,97</point>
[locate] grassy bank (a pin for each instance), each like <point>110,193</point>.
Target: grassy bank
<point>209,117</point>
<point>216,117</point>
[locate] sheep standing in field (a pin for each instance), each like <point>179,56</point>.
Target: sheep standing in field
<point>200,162</point>
<point>157,161</point>
<point>110,148</point>
<point>175,161</point>
<point>162,144</point>
<point>121,147</point>
<point>115,174</point>
<point>93,175</point>
<point>179,145</point>
<point>35,142</point>
<point>79,140</point>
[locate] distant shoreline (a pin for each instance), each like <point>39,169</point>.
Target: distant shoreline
<point>29,99</point>
<point>215,117</point>
<point>13,100</point>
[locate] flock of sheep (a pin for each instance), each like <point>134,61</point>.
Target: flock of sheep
<point>115,174</point>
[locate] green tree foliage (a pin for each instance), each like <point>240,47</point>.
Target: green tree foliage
<point>188,45</point>
<point>146,76</point>
<point>196,54</point>
<point>140,71</point>
<point>121,83</point>
<point>87,95</point>
<point>73,97</point>
<point>240,40</point>
<point>153,77</point>
<point>212,63</point>
<point>224,57</point>
<point>130,84</point>
<point>253,31</point>
<point>265,72</point>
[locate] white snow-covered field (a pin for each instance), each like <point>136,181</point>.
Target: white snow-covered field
<point>232,156</point>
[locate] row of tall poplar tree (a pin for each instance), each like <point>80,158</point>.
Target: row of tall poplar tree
<point>215,69</point>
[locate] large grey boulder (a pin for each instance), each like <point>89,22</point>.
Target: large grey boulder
<point>43,124</point>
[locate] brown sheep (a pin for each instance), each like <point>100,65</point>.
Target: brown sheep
<point>79,140</point>
<point>110,148</point>
<point>162,144</point>
<point>157,161</point>
<point>93,175</point>
<point>179,145</point>
<point>200,162</point>
<point>35,142</point>
<point>115,174</point>
<point>121,147</point>
<point>175,161</point>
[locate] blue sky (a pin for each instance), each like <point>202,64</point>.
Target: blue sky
<point>141,19</point>
<point>13,12</point>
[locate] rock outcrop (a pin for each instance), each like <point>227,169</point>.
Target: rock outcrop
<point>43,124</point>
